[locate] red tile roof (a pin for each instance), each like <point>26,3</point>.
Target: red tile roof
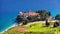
<point>29,13</point>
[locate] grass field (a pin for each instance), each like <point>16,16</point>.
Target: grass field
<point>36,28</point>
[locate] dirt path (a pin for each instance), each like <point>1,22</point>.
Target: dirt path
<point>21,29</point>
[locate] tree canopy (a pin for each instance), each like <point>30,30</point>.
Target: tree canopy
<point>57,17</point>
<point>43,14</point>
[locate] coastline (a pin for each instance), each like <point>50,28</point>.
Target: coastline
<point>8,28</point>
<point>13,25</point>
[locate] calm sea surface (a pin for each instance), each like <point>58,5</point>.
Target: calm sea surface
<point>6,20</point>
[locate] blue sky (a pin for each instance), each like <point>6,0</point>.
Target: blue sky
<point>13,6</point>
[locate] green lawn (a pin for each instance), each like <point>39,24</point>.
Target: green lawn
<point>36,28</point>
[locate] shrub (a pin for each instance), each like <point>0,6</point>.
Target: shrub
<point>56,24</point>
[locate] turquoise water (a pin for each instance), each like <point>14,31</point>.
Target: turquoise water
<point>7,21</point>
<point>5,24</point>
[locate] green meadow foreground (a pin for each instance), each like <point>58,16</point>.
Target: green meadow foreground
<point>35,28</point>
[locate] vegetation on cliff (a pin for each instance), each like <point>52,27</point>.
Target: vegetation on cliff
<point>42,15</point>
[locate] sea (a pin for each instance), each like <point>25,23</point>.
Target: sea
<point>7,20</point>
